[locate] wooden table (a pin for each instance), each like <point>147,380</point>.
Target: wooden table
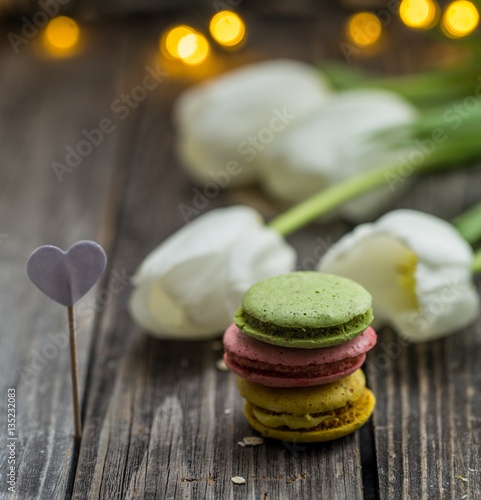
<point>153,411</point>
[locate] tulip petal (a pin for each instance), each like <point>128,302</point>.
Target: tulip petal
<point>336,141</point>
<point>417,268</point>
<point>190,286</point>
<point>216,119</point>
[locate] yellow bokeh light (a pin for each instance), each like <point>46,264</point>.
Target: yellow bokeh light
<point>364,28</point>
<point>61,35</point>
<point>193,48</point>
<point>420,14</point>
<point>460,18</point>
<point>227,28</point>
<point>186,44</point>
<point>170,41</point>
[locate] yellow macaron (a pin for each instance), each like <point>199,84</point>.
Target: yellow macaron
<point>308,414</point>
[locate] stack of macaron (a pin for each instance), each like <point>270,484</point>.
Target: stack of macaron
<point>297,344</point>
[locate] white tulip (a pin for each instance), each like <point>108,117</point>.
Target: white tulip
<point>417,268</point>
<point>236,116</point>
<point>336,141</point>
<point>190,286</point>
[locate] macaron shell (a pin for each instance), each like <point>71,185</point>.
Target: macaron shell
<point>278,380</point>
<point>244,346</point>
<point>302,400</point>
<point>306,299</point>
<point>357,417</point>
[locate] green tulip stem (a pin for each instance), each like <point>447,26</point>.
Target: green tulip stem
<point>463,146</point>
<point>477,262</point>
<point>334,196</point>
<point>469,224</point>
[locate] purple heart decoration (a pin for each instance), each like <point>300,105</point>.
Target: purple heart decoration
<point>67,276</point>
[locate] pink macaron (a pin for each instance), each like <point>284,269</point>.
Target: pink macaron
<point>276,366</point>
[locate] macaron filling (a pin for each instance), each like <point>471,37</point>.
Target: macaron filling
<point>285,371</point>
<point>331,419</point>
<point>277,366</point>
<point>306,337</point>
<point>274,420</point>
<point>359,322</point>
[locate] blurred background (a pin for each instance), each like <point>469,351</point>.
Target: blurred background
<point>88,89</point>
<point>418,23</point>
<point>61,43</point>
<point>70,67</point>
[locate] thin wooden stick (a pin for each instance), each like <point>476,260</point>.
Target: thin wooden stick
<point>74,369</point>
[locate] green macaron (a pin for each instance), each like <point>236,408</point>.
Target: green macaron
<point>305,309</point>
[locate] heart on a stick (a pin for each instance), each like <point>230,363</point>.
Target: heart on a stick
<point>67,276</point>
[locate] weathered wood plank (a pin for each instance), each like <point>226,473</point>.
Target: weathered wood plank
<point>45,106</point>
<point>427,423</point>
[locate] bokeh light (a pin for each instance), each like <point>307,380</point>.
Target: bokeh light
<point>170,40</point>
<point>460,18</point>
<point>364,28</point>
<point>186,44</point>
<point>227,28</point>
<point>193,48</point>
<point>61,35</point>
<point>420,14</point>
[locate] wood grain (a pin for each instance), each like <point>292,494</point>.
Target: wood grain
<point>45,106</point>
<point>427,425</point>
